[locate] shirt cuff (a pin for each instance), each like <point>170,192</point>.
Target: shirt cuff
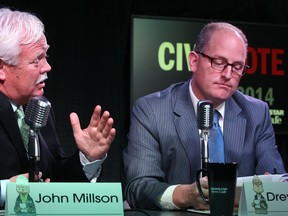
<point>92,169</point>
<point>166,200</point>
<point>3,184</point>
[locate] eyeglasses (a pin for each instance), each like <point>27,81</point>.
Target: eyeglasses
<point>220,65</point>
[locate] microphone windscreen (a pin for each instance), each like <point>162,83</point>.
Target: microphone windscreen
<point>205,114</point>
<point>37,112</point>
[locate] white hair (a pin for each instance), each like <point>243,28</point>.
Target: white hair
<point>17,28</point>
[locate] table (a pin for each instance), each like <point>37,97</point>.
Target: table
<point>142,212</point>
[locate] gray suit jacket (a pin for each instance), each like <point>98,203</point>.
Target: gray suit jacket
<point>164,142</point>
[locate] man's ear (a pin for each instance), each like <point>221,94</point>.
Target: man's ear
<point>2,72</point>
<point>193,61</point>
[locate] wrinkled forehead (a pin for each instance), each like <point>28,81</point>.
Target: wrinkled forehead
<point>43,42</point>
<point>227,39</point>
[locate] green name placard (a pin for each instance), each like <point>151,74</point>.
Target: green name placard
<point>43,199</point>
<point>267,198</point>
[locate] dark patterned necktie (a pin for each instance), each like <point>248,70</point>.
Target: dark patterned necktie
<point>215,142</point>
<point>23,127</point>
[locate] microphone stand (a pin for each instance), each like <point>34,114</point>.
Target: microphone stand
<point>204,149</point>
<point>34,155</point>
<point>204,115</point>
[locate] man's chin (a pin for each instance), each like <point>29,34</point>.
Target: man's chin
<point>40,92</point>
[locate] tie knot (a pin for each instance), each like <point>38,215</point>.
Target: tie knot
<point>216,117</point>
<point>20,113</point>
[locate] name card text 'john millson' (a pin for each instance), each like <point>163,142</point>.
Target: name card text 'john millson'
<point>77,198</point>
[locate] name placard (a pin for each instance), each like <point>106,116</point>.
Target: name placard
<point>264,198</point>
<point>43,199</point>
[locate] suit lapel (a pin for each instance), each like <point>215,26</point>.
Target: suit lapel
<point>186,125</point>
<point>234,131</point>
<point>9,124</point>
<point>187,128</point>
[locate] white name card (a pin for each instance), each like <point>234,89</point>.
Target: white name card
<point>264,198</point>
<point>43,199</point>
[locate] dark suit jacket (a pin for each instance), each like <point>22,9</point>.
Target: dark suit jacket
<point>54,163</point>
<point>164,142</point>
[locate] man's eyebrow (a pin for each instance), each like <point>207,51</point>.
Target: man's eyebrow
<point>223,58</point>
<point>47,46</point>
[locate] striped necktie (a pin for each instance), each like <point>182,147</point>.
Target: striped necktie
<point>216,142</point>
<point>23,127</point>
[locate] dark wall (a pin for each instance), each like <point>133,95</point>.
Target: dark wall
<point>90,51</point>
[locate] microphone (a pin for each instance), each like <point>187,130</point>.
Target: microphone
<point>37,112</point>
<point>36,115</point>
<point>205,123</point>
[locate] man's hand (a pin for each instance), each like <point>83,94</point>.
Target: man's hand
<point>36,178</point>
<point>186,196</point>
<point>95,140</point>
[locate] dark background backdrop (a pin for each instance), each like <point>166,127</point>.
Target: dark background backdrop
<point>90,55</point>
